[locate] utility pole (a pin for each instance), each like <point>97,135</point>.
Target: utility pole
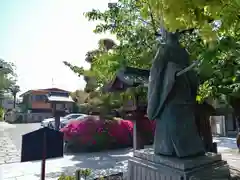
<point>52,83</point>
<point>1,91</point>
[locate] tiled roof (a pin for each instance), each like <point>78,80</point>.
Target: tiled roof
<point>47,90</point>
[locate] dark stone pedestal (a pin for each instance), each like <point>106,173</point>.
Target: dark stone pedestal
<point>146,166</point>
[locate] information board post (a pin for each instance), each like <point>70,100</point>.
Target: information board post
<point>44,157</point>
<point>135,135</point>
<point>130,106</point>
<point>56,116</point>
<point>50,146</point>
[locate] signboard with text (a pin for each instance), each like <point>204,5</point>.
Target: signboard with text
<point>43,142</point>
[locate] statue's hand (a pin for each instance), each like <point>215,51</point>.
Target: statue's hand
<point>187,68</point>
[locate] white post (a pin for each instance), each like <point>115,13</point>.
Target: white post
<point>134,135</point>
<point>224,125</point>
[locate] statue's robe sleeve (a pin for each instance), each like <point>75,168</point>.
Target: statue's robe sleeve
<point>194,81</point>
<point>161,82</point>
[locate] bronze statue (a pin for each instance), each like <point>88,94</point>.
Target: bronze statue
<point>171,100</point>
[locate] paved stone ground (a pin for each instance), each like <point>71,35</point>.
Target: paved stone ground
<point>10,140</point>
<point>8,151</point>
<point>232,157</point>
<point>102,163</point>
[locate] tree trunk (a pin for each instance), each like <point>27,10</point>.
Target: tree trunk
<point>14,101</point>
<point>206,132</point>
<point>203,113</point>
<point>235,103</point>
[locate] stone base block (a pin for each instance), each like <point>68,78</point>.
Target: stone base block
<point>146,166</point>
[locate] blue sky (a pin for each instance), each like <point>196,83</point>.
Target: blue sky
<point>37,35</point>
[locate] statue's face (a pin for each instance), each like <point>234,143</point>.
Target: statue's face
<point>172,38</point>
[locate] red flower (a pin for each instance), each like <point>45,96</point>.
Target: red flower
<point>92,131</point>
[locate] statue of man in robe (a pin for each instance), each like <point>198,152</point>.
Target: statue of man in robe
<point>171,100</point>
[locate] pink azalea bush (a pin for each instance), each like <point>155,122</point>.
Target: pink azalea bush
<point>121,131</point>
<point>100,134</point>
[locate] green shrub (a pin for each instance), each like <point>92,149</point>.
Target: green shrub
<point>64,177</point>
<point>1,113</point>
<point>84,173</point>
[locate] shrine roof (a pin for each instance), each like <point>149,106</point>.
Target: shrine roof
<point>127,77</point>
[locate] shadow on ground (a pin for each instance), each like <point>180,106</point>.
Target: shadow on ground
<point>226,142</point>
<point>102,163</point>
